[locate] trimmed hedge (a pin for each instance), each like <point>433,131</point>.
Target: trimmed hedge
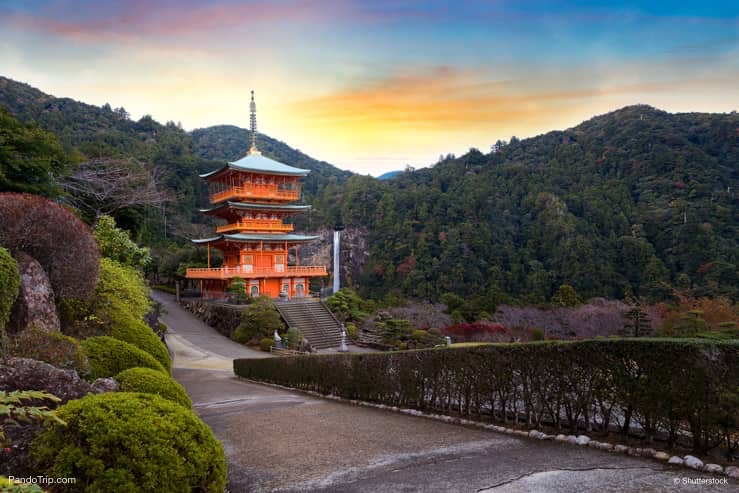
<point>137,332</point>
<point>109,356</point>
<point>670,387</point>
<point>155,382</point>
<point>123,442</point>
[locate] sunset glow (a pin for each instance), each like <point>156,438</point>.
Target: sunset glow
<point>373,86</point>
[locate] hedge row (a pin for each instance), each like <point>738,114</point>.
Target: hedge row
<point>648,387</point>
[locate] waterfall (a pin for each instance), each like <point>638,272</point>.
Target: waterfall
<point>336,261</point>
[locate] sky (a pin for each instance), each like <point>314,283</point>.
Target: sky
<point>373,86</point>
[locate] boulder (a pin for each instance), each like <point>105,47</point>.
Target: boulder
<point>714,468</point>
<point>35,303</point>
<point>582,440</point>
<point>693,462</point>
<point>675,460</point>
<point>102,385</point>
<point>732,472</point>
<point>621,449</point>
<point>661,456</point>
<point>31,374</point>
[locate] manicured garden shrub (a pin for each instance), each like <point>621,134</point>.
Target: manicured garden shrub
<point>10,283</point>
<point>54,348</point>
<point>136,332</point>
<point>121,287</point>
<point>266,343</point>
<point>293,337</point>
<point>109,356</point>
<point>259,319</point>
<point>151,381</point>
<point>124,442</point>
<point>644,386</point>
<point>55,237</point>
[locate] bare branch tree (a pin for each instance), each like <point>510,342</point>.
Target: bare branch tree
<point>103,186</point>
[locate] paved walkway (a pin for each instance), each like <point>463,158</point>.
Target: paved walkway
<point>279,440</point>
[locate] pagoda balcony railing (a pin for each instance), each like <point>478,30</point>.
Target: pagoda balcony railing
<point>255,191</point>
<point>250,272</point>
<point>256,225</point>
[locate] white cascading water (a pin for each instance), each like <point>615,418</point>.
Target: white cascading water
<point>336,261</point>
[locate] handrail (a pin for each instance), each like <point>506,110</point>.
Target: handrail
<point>254,190</point>
<point>245,272</point>
<point>256,224</point>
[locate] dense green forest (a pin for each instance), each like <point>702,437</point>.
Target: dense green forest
<point>637,202</point>
<point>634,202</point>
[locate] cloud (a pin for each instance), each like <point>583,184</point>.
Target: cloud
<point>137,19</point>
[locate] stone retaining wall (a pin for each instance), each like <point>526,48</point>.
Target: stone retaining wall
<point>224,318</point>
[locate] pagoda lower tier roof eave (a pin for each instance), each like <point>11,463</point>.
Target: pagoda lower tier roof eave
<point>263,207</point>
<point>290,238</point>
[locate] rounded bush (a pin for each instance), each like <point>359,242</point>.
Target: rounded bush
<point>266,343</point>
<point>109,356</point>
<point>54,348</point>
<point>136,332</point>
<point>10,282</point>
<point>123,442</point>
<point>155,382</point>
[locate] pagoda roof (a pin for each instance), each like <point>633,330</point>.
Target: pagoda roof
<point>263,207</point>
<point>292,238</point>
<point>257,163</point>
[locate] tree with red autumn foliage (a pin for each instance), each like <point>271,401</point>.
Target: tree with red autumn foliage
<point>50,233</point>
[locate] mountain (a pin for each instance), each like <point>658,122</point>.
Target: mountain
<point>389,175</point>
<point>103,131</point>
<point>634,202</point>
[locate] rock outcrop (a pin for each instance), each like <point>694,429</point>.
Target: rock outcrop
<point>35,303</point>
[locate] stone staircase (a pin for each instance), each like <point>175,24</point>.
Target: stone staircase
<point>314,319</point>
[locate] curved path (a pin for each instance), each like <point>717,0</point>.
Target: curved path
<point>278,440</point>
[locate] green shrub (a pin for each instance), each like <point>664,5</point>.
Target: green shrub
<point>54,348</point>
<point>123,442</point>
<point>10,283</point>
<point>537,334</point>
<point>121,288</point>
<point>672,386</point>
<point>136,332</point>
<point>259,319</point>
<point>151,381</point>
<point>116,244</point>
<point>266,343</point>
<point>351,330</point>
<point>418,335</point>
<point>109,356</point>
<point>293,337</point>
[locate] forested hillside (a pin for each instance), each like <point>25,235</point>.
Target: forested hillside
<point>634,202</point>
<point>637,202</point>
<point>175,156</point>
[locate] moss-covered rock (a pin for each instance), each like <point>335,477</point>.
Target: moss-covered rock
<point>155,382</point>
<point>123,442</point>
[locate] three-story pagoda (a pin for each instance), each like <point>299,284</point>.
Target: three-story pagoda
<point>254,195</point>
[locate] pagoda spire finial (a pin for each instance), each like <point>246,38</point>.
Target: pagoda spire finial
<point>253,126</point>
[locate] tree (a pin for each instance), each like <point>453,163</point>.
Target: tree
<point>116,244</point>
<point>29,157</point>
<point>566,296</point>
<point>104,186</point>
<point>259,319</point>
<point>9,281</point>
<point>55,237</point>
<point>637,321</point>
